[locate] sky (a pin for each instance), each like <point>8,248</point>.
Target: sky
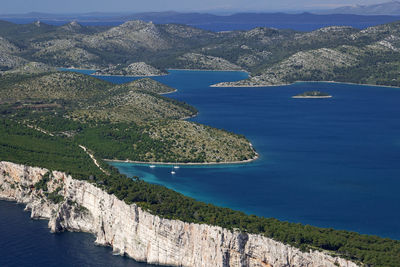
<point>132,6</point>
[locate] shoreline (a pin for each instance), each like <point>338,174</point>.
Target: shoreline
<point>235,86</point>
<point>72,68</point>
<point>80,213</point>
<point>133,76</point>
<point>285,84</point>
<point>170,92</point>
<point>183,163</point>
<point>184,118</point>
<point>189,117</point>
<point>249,86</point>
<point>211,70</point>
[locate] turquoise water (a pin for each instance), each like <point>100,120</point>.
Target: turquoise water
<point>325,162</point>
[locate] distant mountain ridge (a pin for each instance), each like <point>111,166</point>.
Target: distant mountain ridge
<point>387,8</point>
<point>271,56</point>
<point>238,21</point>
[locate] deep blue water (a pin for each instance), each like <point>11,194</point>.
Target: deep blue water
<point>26,242</point>
<point>325,162</point>
<point>241,21</point>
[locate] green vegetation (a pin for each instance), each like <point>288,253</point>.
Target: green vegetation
<point>87,98</point>
<point>130,121</point>
<point>376,67</point>
<point>54,196</point>
<point>165,141</point>
<point>27,146</point>
<point>65,86</point>
<point>121,141</point>
<point>133,121</point>
<point>23,145</point>
<point>148,85</point>
<point>369,56</point>
<point>199,143</point>
<point>42,184</point>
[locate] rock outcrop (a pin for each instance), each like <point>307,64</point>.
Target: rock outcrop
<point>313,65</point>
<point>131,231</point>
<point>134,69</point>
<point>205,62</point>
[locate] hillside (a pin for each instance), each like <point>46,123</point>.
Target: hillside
<point>133,69</point>
<point>386,8</point>
<point>130,121</point>
<point>272,56</point>
<point>69,122</point>
<point>204,62</point>
<point>312,65</point>
<point>51,86</point>
<point>149,85</point>
<point>23,145</point>
<point>370,56</point>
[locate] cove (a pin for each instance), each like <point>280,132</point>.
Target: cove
<point>324,162</point>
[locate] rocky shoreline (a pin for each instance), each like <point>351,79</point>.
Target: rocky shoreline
<point>184,164</point>
<point>237,84</point>
<point>138,234</point>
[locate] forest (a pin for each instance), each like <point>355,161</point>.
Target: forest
<point>23,145</point>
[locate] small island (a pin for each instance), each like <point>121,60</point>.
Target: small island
<point>312,94</point>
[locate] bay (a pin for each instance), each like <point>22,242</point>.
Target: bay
<point>324,162</point>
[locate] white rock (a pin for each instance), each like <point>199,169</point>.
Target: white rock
<point>138,234</point>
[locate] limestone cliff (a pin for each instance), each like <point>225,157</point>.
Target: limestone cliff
<point>138,234</point>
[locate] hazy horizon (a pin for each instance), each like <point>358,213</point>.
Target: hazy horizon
<point>129,6</point>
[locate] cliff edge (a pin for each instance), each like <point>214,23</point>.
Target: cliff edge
<point>74,205</point>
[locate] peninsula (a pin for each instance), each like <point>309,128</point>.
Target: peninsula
<point>132,121</point>
<point>53,143</point>
<point>57,127</point>
<point>270,56</point>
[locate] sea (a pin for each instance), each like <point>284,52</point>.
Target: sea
<point>325,162</point>
<point>304,22</point>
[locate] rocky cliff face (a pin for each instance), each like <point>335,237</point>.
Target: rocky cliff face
<point>138,234</point>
